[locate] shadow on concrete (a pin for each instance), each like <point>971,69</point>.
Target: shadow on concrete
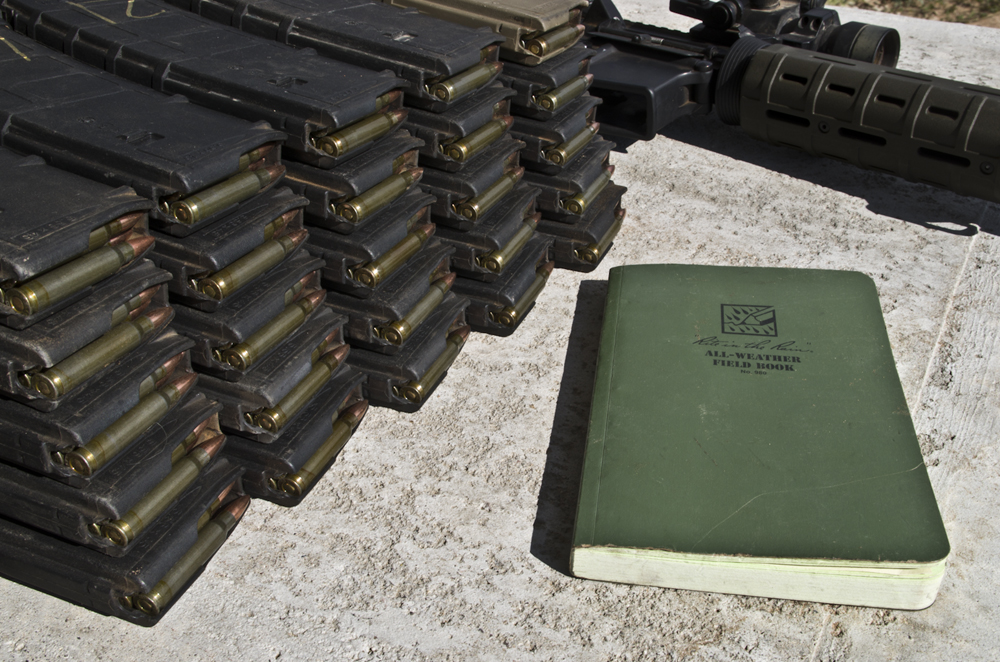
<point>551,536</point>
<point>885,194</point>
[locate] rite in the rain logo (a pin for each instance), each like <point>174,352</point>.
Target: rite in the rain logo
<point>746,320</point>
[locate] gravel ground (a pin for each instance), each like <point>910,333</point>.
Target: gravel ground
<point>444,535</point>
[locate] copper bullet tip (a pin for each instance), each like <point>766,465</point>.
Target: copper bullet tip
<point>127,222</point>
<point>185,382</point>
<point>340,352</point>
<point>237,507</point>
<point>198,429</point>
<point>498,66</point>
<point>398,115</point>
<point>330,339</point>
<point>147,294</point>
<point>610,170</point>
<point>580,28</point>
<point>546,269</point>
<point>275,171</point>
<point>298,236</point>
<point>357,410</point>
<point>225,491</point>
<point>141,244</point>
<point>589,77</point>
<point>518,171</point>
<point>448,280</point>
<point>266,149</point>
<point>595,126</point>
<point>170,365</point>
<point>462,332</point>
<point>315,298</point>
<point>213,445</point>
<point>160,316</point>
<point>508,120</point>
<point>416,173</point>
<point>426,229</point>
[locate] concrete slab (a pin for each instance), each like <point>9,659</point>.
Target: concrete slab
<point>444,534</point>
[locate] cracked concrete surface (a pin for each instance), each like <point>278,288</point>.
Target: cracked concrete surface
<point>445,534</point>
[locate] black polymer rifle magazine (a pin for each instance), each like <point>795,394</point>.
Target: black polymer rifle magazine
<point>264,385</point>
<point>109,130</point>
<point>379,248</point>
<point>581,245</point>
<point>110,585</point>
<point>76,513</point>
<point>403,381</point>
<point>585,172</point>
<point>29,438</point>
<point>567,133</point>
<point>484,251</point>
<point>444,133</point>
<point>267,217</point>
<point>248,311</point>
<point>265,465</point>
<point>568,69</point>
<point>499,307</point>
<point>177,52</point>
<point>385,173</point>
<point>495,170</point>
<point>434,57</point>
<point>44,344</point>
<point>50,217</point>
<point>394,302</point>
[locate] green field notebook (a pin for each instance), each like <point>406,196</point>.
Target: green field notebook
<point>749,435</point>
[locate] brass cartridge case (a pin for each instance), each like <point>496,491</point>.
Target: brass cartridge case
<point>416,391</point>
<point>83,364</point>
<point>210,539</point>
<point>556,98</point>
<point>213,508</point>
<point>234,190</point>
<point>134,306</point>
<point>475,208</point>
<point>465,82</point>
<point>189,441</point>
<point>258,261</point>
<point>343,427</point>
<point>275,418</point>
<point>245,354</point>
<point>553,40</point>
<point>376,271</point>
<point>564,153</point>
<point>578,203</point>
<point>463,149</point>
<point>495,261</point>
<point>396,333</point>
<point>156,378</point>
<point>254,155</point>
<point>592,253</point>
<point>100,450</point>
<point>511,315</point>
<point>122,531</point>
<point>352,137</point>
<point>54,286</point>
<point>104,234</point>
<point>382,194</point>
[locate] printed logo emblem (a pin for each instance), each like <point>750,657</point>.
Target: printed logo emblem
<point>744,320</point>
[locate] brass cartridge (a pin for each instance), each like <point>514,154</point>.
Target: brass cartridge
<point>463,83</point>
<point>275,418</point>
<point>157,378</point>
<point>278,225</point>
<point>100,450</point>
<point>396,333</point>
<point>83,364</point>
<point>416,391</point>
<point>376,271</point>
<point>236,189</point>
<point>54,286</point>
<point>463,149</point>
<point>134,306</point>
<point>511,315</point>
<point>104,234</point>
<point>475,208</point>
<point>210,539</point>
<point>343,427</point>
<point>190,441</point>
<point>495,261</point>
<point>564,153</point>
<point>258,261</point>
<point>553,41</point>
<point>245,354</point>
<point>321,348</point>
<point>555,99</point>
<point>578,203</point>
<point>592,253</point>
<point>253,156</point>
<point>382,194</point>
<point>122,531</point>
<point>361,133</point>
<point>213,508</point>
